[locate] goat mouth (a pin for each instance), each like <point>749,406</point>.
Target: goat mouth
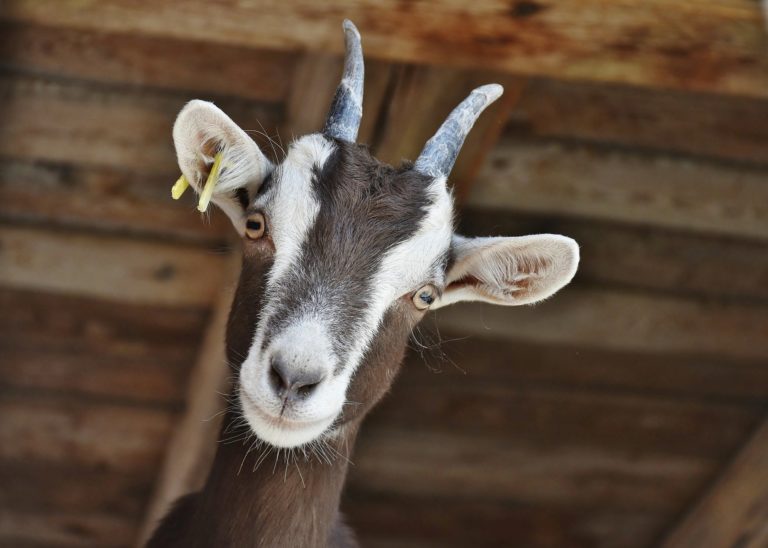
<point>280,422</point>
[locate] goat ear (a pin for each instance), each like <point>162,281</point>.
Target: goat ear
<point>509,271</point>
<point>201,132</point>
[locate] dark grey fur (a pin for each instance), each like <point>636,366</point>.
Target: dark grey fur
<point>366,208</point>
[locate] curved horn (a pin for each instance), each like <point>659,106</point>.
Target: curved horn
<point>347,106</point>
<point>441,150</point>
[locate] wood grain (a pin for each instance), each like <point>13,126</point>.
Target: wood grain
<point>33,529</point>
<point>145,381</point>
<point>104,199</point>
<point>148,61</point>
<point>389,520</point>
<point>190,452</point>
<point>622,321</point>
<point>647,258</point>
<point>43,487</point>
<point>633,424</point>
<point>613,184</point>
<point>71,122</point>
<point>113,268</point>
<point>68,322</point>
<point>63,430</point>
<point>710,46</point>
<point>416,462</point>
<point>517,362</point>
<point>700,124</point>
<point>734,512</point>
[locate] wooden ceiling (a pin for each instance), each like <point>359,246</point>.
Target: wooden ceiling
<point>607,417</point>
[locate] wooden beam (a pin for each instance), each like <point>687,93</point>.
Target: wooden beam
<point>192,447</point>
<point>313,84</point>
<point>390,520</point>
<point>645,258</point>
<point>34,485</point>
<point>71,122</point>
<point>717,126</point>
<point>502,405</point>
<point>150,61</point>
<point>64,528</point>
<point>131,330</point>
<point>735,511</point>
<point>54,344</point>
<point>613,184</point>
<point>619,320</point>
<point>710,46</point>
<point>454,357</point>
<point>65,430</point>
<point>422,462</point>
<point>108,267</point>
<point>104,199</point>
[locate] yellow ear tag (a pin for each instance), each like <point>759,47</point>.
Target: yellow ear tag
<point>210,183</point>
<point>179,187</point>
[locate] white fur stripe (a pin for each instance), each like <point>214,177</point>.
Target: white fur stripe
<point>293,211</point>
<point>405,268</point>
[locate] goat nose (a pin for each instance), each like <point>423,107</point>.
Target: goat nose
<point>290,383</point>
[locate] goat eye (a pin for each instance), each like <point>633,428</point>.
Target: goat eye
<point>424,297</point>
<point>255,226</point>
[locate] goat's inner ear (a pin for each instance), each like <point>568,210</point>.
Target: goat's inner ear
<point>220,161</point>
<point>509,271</point>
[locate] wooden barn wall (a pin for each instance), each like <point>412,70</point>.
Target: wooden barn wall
<point>595,419</point>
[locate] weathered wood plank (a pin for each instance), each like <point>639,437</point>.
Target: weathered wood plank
<point>43,487</point>
<point>530,366</point>
<point>620,255</point>
<point>103,199</point>
<point>431,521</point>
<point>95,349</point>
<point>699,124</point>
<point>72,122</point>
<point>612,184</point>
<point>61,430</point>
<point>190,452</point>
<point>416,462</point>
<point>564,417</point>
<point>129,331</point>
<point>147,381</point>
<point>735,511</point>
<point>712,46</point>
<point>25,529</point>
<point>622,321</point>
<point>109,267</point>
<point>313,83</point>
<point>155,62</point>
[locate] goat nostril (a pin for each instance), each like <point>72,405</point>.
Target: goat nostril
<point>306,389</point>
<point>277,377</point>
<point>290,383</point>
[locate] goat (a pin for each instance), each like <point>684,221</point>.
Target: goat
<point>342,257</point>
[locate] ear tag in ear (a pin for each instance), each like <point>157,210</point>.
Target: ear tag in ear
<point>179,187</point>
<point>210,183</point>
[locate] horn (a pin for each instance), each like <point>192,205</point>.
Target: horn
<point>343,120</point>
<point>441,150</point>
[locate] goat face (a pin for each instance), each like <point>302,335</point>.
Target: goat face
<point>343,256</point>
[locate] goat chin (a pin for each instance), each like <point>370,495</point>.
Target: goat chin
<point>284,433</point>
